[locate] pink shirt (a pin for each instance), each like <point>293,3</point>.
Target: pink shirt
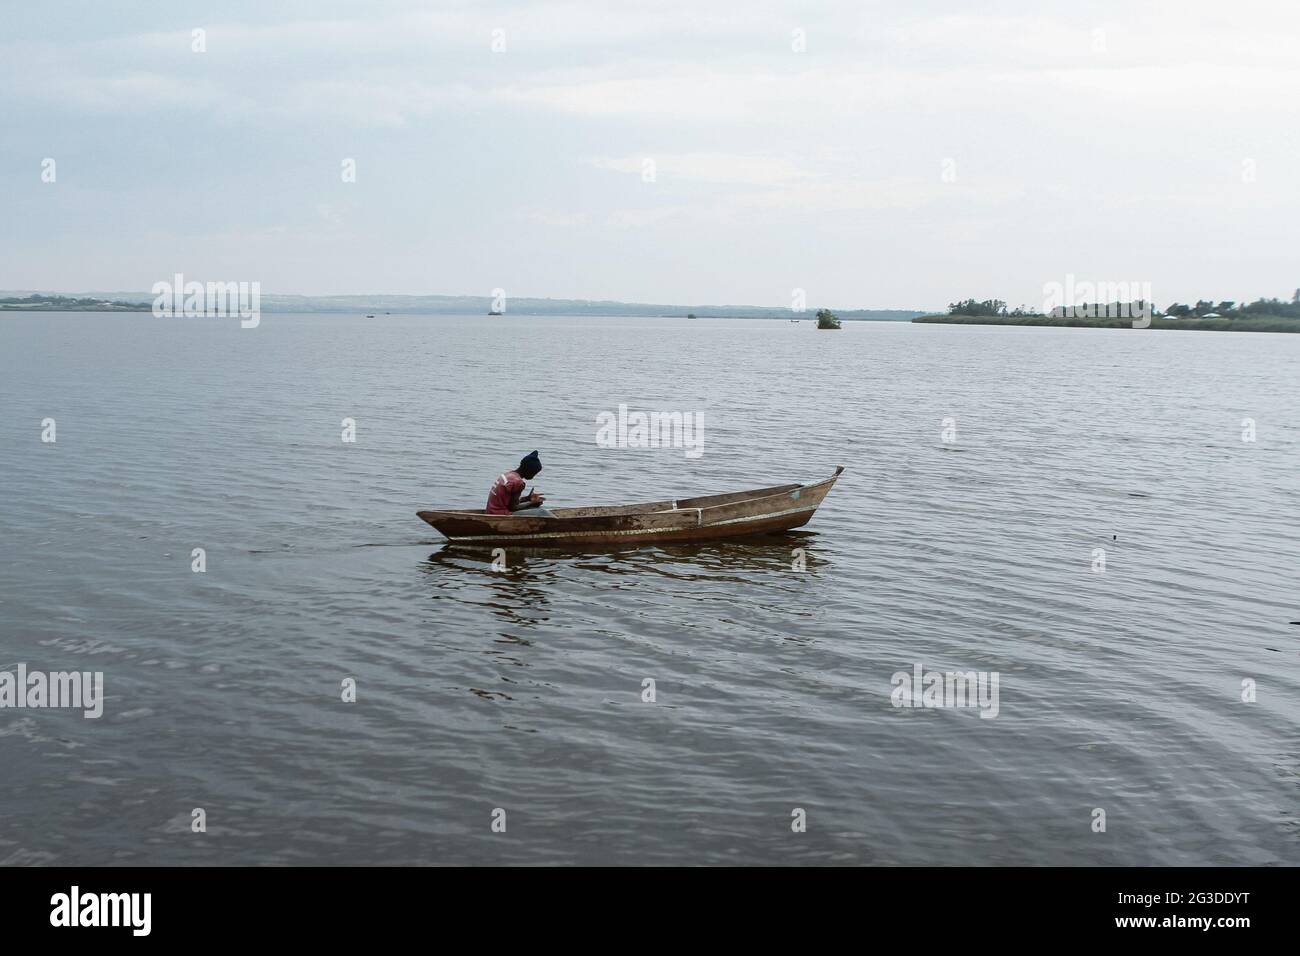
<point>503,489</point>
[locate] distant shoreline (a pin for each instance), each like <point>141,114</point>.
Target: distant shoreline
<point>473,305</point>
<point>71,304</point>
<point>138,309</point>
<point>27,301</point>
<point>1254,323</point>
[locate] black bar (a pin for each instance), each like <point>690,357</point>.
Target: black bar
<point>491,905</point>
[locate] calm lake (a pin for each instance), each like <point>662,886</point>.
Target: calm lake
<point>1108,522</point>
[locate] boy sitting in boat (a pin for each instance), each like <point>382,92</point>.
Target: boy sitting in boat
<point>504,498</point>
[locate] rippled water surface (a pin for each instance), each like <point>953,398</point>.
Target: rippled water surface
<point>522,689</point>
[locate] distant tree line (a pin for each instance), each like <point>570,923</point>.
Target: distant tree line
<point>1228,309</point>
<point>1231,310</point>
<point>972,307</point>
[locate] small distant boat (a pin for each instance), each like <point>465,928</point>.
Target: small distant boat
<point>370,317</point>
<point>495,313</point>
<point>761,510</point>
<point>794,320</point>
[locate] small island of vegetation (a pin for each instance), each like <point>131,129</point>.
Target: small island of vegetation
<point>826,319</point>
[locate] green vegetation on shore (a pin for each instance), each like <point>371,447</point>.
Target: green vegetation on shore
<point>1256,323</point>
<point>1262,315</point>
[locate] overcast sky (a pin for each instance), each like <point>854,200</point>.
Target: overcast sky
<point>913,154</point>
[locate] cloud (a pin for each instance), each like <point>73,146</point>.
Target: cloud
<point>730,168</point>
<point>668,62</point>
<point>1071,133</point>
<point>558,219</point>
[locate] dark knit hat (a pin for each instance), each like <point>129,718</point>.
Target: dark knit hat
<point>530,465</point>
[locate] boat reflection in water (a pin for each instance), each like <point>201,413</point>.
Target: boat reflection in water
<point>687,561</point>
<point>518,584</point>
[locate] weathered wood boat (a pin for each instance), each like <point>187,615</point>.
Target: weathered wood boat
<point>761,510</point>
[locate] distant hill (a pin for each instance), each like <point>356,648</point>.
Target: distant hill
<point>444,305</point>
<point>36,302</point>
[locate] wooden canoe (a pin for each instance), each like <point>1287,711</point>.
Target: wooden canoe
<point>761,510</point>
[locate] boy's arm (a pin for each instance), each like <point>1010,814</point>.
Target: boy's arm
<point>521,504</point>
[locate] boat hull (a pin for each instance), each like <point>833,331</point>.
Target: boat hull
<point>761,511</point>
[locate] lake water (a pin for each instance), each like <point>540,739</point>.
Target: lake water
<point>477,689</point>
